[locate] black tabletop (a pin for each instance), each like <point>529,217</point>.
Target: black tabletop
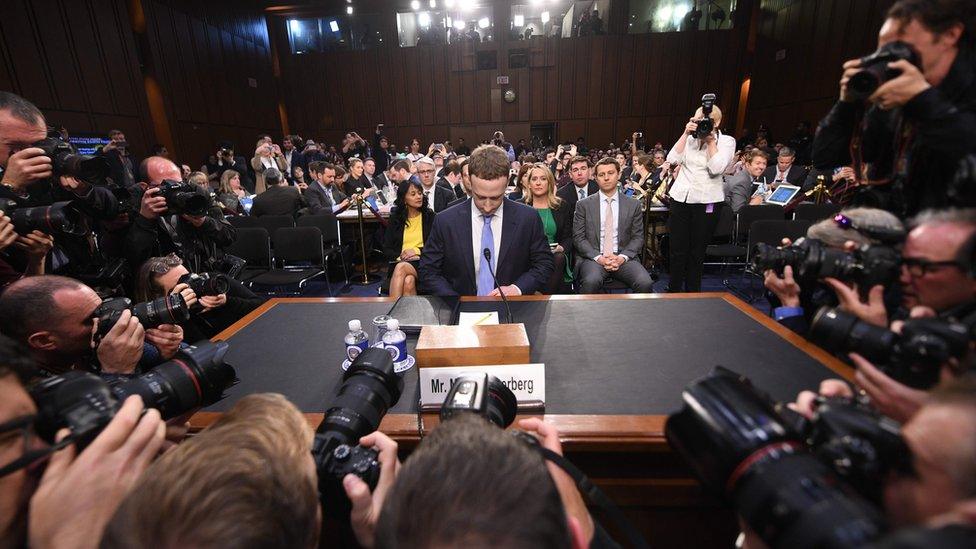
<point>627,357</point>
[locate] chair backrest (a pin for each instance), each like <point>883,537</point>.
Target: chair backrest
<point>750,214</point>
<point>253,245</point>
<point>325,221</point>
<point>816,212</point>
<point>298,245</point>
<point>769,231</point>
<point>725,227</point>
<point>242,221</point>
<point>274,222</point>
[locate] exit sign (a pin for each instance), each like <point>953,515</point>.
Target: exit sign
<point>501,80</point>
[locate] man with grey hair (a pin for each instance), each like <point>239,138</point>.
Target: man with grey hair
<point>784,171</point>
<point>279,199</point>
<point>437,197</point>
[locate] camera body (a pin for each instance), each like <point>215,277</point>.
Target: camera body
<point>206,284</point>
<point>874,68</point>
<point>84,403</point>
<point>184,198</point>
<point>811,259</point>
<point>705,124</point>
<point>67,162</point>
<point>170,309</point>
<point>57,218</point>
<point>483,395</point>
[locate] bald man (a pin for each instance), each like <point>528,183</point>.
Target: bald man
<point>198,240</point>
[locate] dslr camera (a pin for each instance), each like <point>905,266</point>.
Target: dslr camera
<point>913,357</point>
<point>812,260</point>
<point>67,162</point>
<point>57,218</point>
<point>798,483</point>
<point>170,309</point>
<point>185,198</point>
<point>874,69</point>
<point>205,284</point>
<point>705,124</point>
<point>85,403</point>
<point>483,395</point>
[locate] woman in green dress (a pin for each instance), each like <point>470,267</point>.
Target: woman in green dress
<point>557,221</point>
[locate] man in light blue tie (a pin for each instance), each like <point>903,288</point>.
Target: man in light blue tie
<point>483,234</point>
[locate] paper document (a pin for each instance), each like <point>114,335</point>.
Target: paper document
<point>478,319</point>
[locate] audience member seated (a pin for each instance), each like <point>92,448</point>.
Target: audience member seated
<point>521,181</point>
<point>224,160</point>
<point>451,180</point>
<point>454,263</point>
<point>198,239</point>
<point>322,194</point>
<point>211,314</point>
<point>582,186</point>
<point>740,189</point>
<point>557,223</point>
<point>608,232</point>
<point>230,192</point>
<point>279,198</point>
<point>266,155</point>
<point>403,240</point>
<point>299,178</point>
<point>437,197</point>
<point>785,171</point>
<point>465,186</point>
<point>248,480</point>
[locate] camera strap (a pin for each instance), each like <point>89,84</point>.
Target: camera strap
<point>595,496</point>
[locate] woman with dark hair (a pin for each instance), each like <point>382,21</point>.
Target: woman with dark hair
<point>521,182</point>
<point>557,221</point>
<point>160,276</point>
<point>414,154</point>
<point>410,223</point>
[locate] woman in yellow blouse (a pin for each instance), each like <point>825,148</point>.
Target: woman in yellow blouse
<point>410,223</point>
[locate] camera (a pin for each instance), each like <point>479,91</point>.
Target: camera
<point>84,403</point>
<point>481,394</point>
<point>705,124</point>
<point>184,198</point>
<point>205,284</point>
<point>874,69</point>
<point>170,309</point>
<point>369,388</point>
<point>913,358</point>
<point>66,161</point>
<point>811,260</point>
<point>797,483</point>
<point>57,218</point>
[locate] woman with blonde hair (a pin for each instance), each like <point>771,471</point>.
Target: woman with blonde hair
<point>230,192</point>
<point>557,221</point>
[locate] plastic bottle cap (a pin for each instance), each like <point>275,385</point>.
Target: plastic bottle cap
<point>355,326</point>
<point>392,324</point>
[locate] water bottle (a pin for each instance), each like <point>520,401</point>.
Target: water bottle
<point>356,340</point>
<point>395,341</point>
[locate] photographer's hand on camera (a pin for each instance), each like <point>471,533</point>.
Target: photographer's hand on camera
<point>7,233</point>
<point>35,246</point>
<point>121,348</point>
<point>366,506</point>
<point>893,399</point>
<point>26,166</point>
<point>211,302</point>
<point>195,220</point>
<point>166,338</point>
<point>153,205</point>
<point>189,296</point>
<point>79,493</point>
<point>783,287</point>
<point>806,401</point>
<point>898,91</point>
<point>872,311</point>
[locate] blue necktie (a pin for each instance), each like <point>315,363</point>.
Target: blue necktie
<point>485,282</point>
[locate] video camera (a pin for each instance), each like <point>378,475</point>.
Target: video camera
<point>206,284</point>
<point>184,198</point>
<point>874,68</point>
<point>798,483</point>
<point>705,124</point>
<point>57,218</point>
<point>170,309</point>
<point>84,403</point>
<point>67,162</point>
<point>913,357</point>
<point>811,259</point>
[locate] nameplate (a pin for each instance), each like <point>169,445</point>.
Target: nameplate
<point>527,381</point>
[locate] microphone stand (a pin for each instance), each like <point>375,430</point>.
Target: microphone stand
<point>508,308</point>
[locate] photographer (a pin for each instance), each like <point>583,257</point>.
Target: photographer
<point>934,96</point>
<point>161,276</point>
<point>224,160</point>
<point>35,246</point>
<point>696,195</point>
<point>267,155</point>
<point>198,237</point>
<point>121,166</point>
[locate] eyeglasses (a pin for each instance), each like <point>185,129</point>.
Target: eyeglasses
<point>425,171</point>
<point>918,267</point>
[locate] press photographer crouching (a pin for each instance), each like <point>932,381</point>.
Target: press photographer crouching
<point>843,477</point>
<point>215,300</point>
<point>177,217</point>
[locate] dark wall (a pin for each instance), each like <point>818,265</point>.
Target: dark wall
<point>814,38</point>
<point>603,88</point>
<point>76,60</point>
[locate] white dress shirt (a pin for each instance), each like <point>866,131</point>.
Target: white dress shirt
<point>615,205</point>
<point>699,180</point>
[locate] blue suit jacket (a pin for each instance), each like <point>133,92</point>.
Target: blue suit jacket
<point>524,258</point>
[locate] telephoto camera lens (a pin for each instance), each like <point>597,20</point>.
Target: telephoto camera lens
<point>205,284</point>
<point>66,161</point>
<point>184,198</point>
<point>169,309</point>
<point>481,394</point>
<point>58,218</point>
<point>874,69</point>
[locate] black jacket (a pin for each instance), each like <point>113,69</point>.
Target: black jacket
<point>393,237</point>
<point>932,132</point>
<point>570,195</point>
<point>318,200</point>
<point>442,197</point>
<point>278,200</point>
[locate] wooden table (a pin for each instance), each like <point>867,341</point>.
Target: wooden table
<point>627,455</point>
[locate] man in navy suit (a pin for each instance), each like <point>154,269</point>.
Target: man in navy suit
<point>454,263</point>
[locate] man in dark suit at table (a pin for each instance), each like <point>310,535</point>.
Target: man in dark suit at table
<point>279,199</point>
<point>454,263</point>
<point>437,197</point>
<point>608,232</point>
<point>785,171</point>
<point>322,194</point>
<point>451,180</point>
<point>582,187</point>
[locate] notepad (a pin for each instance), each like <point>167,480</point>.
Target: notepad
<point>477,319</point>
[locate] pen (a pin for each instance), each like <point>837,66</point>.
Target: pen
<point>482,319</point>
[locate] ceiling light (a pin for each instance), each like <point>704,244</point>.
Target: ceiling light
<point>484,23</point>
<point>295,26</point>
<point>424,19</point>
<point>460,24</point>
<point>433,4</point>
<point>348,10</point>
<point>519,20</point>
<point>448,3</point>
<point>544,17</point>
<point>466,5</point>
<point>415,5</point>
<point>679,13</point>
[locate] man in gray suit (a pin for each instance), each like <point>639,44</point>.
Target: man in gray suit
<point>739,188</point>
<point>608,233</point>
<point>322,194</point>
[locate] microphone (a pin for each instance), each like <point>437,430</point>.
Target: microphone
<point>508,308</point>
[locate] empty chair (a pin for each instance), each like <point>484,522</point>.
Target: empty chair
<point>274,222</point>
<point>815,212</point>
<point>242,221</point>
<point>724,248</point>
<point>298,252</point>
<point>327,223</point>
<point>750,214</point>
<point>254,246</point>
